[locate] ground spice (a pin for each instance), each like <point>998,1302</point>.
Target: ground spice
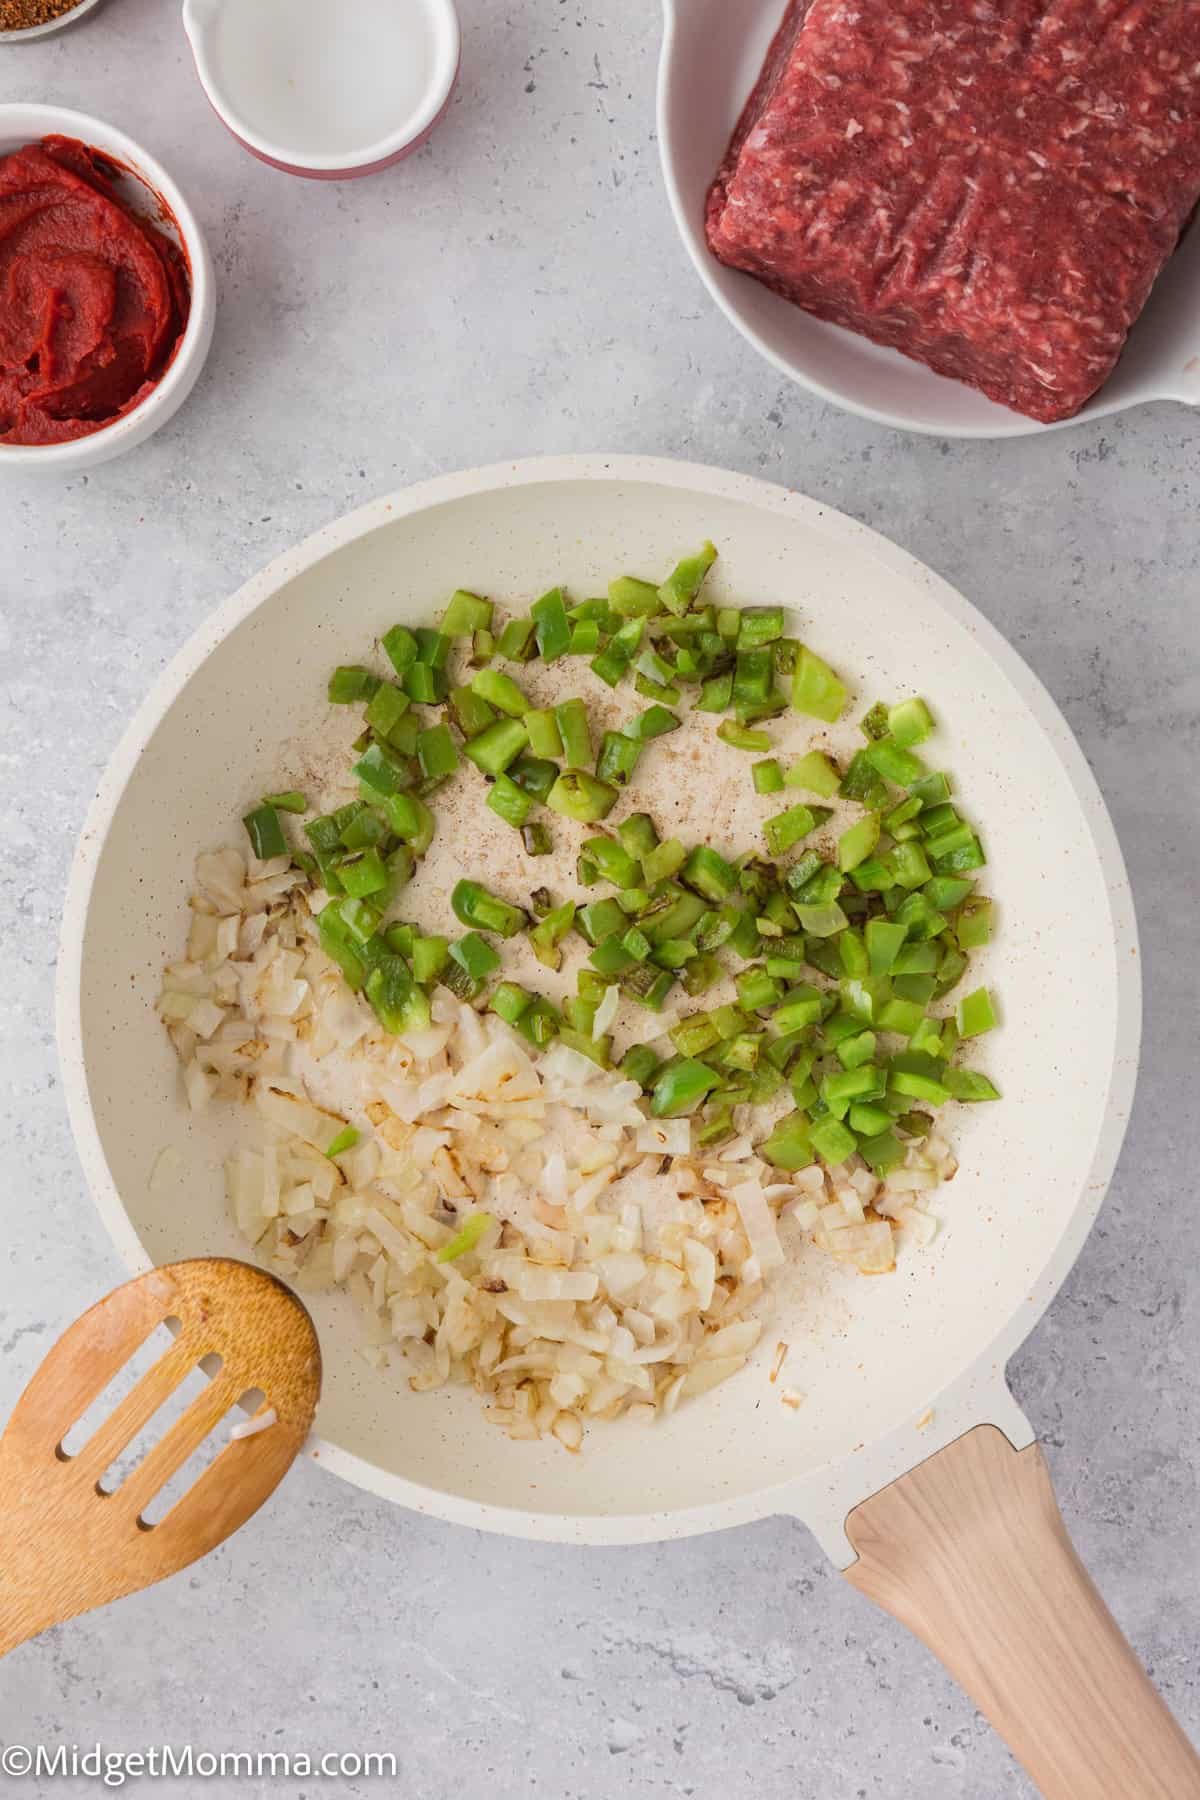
<point>23,15</point>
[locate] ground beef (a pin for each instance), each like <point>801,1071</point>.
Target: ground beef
<point>990,186</point>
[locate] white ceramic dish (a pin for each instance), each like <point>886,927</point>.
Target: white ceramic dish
<point>712,52</point>
<point>966,1547</point>
<point>146,186</point>
<point>326,91</point>
<point>31,32</point>
<point>872,1356</point>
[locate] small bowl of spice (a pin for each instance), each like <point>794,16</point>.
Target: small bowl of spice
<point>21,19</point>
<point>106,292</point>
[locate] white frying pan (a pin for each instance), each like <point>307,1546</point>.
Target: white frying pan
<point>711,54</point>
<point>899,1373</point>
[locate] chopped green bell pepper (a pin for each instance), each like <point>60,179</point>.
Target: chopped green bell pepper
<point>816,690</point>
<point>475,906</point>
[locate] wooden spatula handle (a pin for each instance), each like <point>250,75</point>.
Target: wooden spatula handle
<point>970,1552</point>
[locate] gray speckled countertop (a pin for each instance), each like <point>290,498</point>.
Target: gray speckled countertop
<point>518,287</point>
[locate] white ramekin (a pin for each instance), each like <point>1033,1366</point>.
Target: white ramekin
<point>149,188</point>
<point>410,121</point>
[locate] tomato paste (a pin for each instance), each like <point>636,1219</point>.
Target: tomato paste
<point>93,297</point>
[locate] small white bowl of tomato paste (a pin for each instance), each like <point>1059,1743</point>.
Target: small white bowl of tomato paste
<point>107,297</point>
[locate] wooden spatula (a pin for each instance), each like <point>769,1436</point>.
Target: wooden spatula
<point>67,1545</point>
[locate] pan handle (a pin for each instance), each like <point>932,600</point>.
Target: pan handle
<point>969,1550</point>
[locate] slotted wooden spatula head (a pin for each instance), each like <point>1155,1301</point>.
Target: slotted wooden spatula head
<point>70,1546</point>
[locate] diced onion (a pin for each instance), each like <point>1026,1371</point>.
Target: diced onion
<point>246,1428</point>
<point>606,1012</point>
<point>616,1275</point>
<point>759,1222</point>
